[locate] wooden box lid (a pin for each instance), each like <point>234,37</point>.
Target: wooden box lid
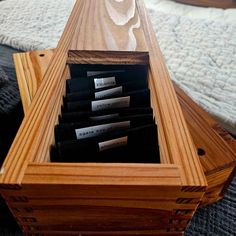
<point>120,27</point>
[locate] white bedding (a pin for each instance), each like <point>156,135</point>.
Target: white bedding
<point>199,44</point>
<point>33,24</point>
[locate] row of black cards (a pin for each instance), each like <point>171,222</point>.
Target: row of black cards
<point>106,117</point>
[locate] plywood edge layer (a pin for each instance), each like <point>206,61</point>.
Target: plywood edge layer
<point>208,141</point>
<point>23,82</point>
<point>108,57</point>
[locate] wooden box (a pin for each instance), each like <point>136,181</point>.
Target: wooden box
<point>101,198</point>
<point>215,146</point>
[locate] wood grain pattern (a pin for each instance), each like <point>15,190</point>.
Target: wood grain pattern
<point>109,26</point>
<point>216,146</point>
<point>180,147</point>
<point>112,208</point>
<point>186,102</point>
<point>181,150</point>
<point>217,153</point>
<point>210,3</point>
<point>218,183</point>
<point>31,67</point>
<point>206,132</point>
<point>109,174</point>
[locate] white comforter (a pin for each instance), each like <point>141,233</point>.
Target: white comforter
<point>33,24</point>
<point>199,44</point>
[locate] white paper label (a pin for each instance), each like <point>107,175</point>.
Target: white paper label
<point>94,131</point>
<point>111,103</point>
<point>94,73</point>
<point>118,142</point>
<point>104,82</point>
<point>104,117</point>
<point>108,92</point>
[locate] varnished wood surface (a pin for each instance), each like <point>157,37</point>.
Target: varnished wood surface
<point>108,57</point>
<point>216,147</point>
<point>217,154</point>
<point>109,26</point>
<point>178,143</point>
<point>30,67</point>
<point>109,174</point>
<point>210,3</point>
<point>218,161</point>
<point>72,208</point>
<point>31,183</point>
<point>180,146</point>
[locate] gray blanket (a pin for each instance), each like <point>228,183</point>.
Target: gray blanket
<point>9,92</point>
<point>217,219</point>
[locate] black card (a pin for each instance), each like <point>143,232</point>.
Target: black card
<point>105,92</point>
<point>143,137</point>
<point>139,98</point>
<point>67,117</point>
<point>89,129</point>
<point>102,82</point>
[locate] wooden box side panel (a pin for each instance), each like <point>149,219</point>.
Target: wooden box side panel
<point>179,142</point>
<point>92,209</point>
<point>103,174</point>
